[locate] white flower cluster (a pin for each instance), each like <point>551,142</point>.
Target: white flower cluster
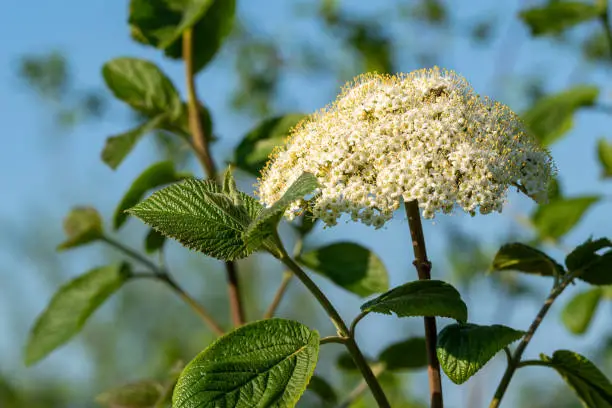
<point>423,136</point>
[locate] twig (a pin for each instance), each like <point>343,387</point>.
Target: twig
<point>163,275</point>
<point>343,330</point>
<point>199,143</point>
<point>423,267</point>
<point>515,362</point>
<point>279,295</point>
<point>333,339</point>
<point>354,323</point>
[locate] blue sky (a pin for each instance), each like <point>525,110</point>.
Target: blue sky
<point>45,171</point>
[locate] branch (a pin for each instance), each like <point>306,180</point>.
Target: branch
<point>199,142</point>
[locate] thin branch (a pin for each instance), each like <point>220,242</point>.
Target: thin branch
<point>199,142</point>
<point>163,275</point>
<point>518,353</point>
<point>287,275</point>
<point>333,339</point>
<point>423,267</point>
<point>534,363</point>
<point>354,323</point>
<point>343,331</point>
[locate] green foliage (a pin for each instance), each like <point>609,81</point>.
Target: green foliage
<point>604,153</point>
<point>590,384</point>
<point>70,308</point>
<point>141,394</point>
<point>117,147</point>
<point>594,268</point>
<point>520,257</point>
<point>409,354</point>
<point>552,116</point>
<point>579,311</point>
<point>558,217</point>
<point>264,225</point>
<point>253,151</point>
<point>323,390</point>
<point>47,74</point>
<point>161,24</point>
<point>463,349</point>
<point>267,363</point>
<point>198,215</point>
<point>143,86</point>
<point>349,266</point>
<point>229,187</point>
<point>557,16</point>
<point>154,241</point>
<point>82,226</point>
<point>420,298</point>
<point>156,175</point>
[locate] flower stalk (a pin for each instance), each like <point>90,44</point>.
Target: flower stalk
<point>423,267</point>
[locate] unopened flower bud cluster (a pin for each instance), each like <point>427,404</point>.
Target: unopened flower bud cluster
<point>423,136</point>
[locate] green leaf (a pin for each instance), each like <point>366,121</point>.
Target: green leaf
<point>596,269</point>
<point>409,354</point>
<point>557,218</point>
<point>306,224</point>
<point>323,390</point>
<point>70,308</point>
<point>154,241</point>
<point>229,186</point>
<point>141,394</point>
<point>590,384</point>
<point>346,362</point>
<point>264,226</point>
<point>82,226</point>
<point>420,298</point>
<point>523,258</point>
<point>266,364</point>
<point>604,153</point>
<point>198,215</point>
<point>253,152</point>
<point>578,312</point>
<point>463,349</point>
<point>552,116</point>
<point>157,175</point>
<point>349,266</point>
<point>558,16</point>
<point>143,86</point>
<point>119,146</point>
<point>161,24</point>
<point>586,253</point>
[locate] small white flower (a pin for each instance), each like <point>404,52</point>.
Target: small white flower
<point>423,136</point>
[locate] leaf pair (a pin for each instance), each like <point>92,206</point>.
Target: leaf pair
<point>218,221</point>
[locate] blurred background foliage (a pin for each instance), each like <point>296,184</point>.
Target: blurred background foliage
<point>145,331</point>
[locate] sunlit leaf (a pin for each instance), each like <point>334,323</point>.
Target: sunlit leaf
<point>143,86</point>
<point>267,364</point>
<point>198,215</point>
<point>70,308</point>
